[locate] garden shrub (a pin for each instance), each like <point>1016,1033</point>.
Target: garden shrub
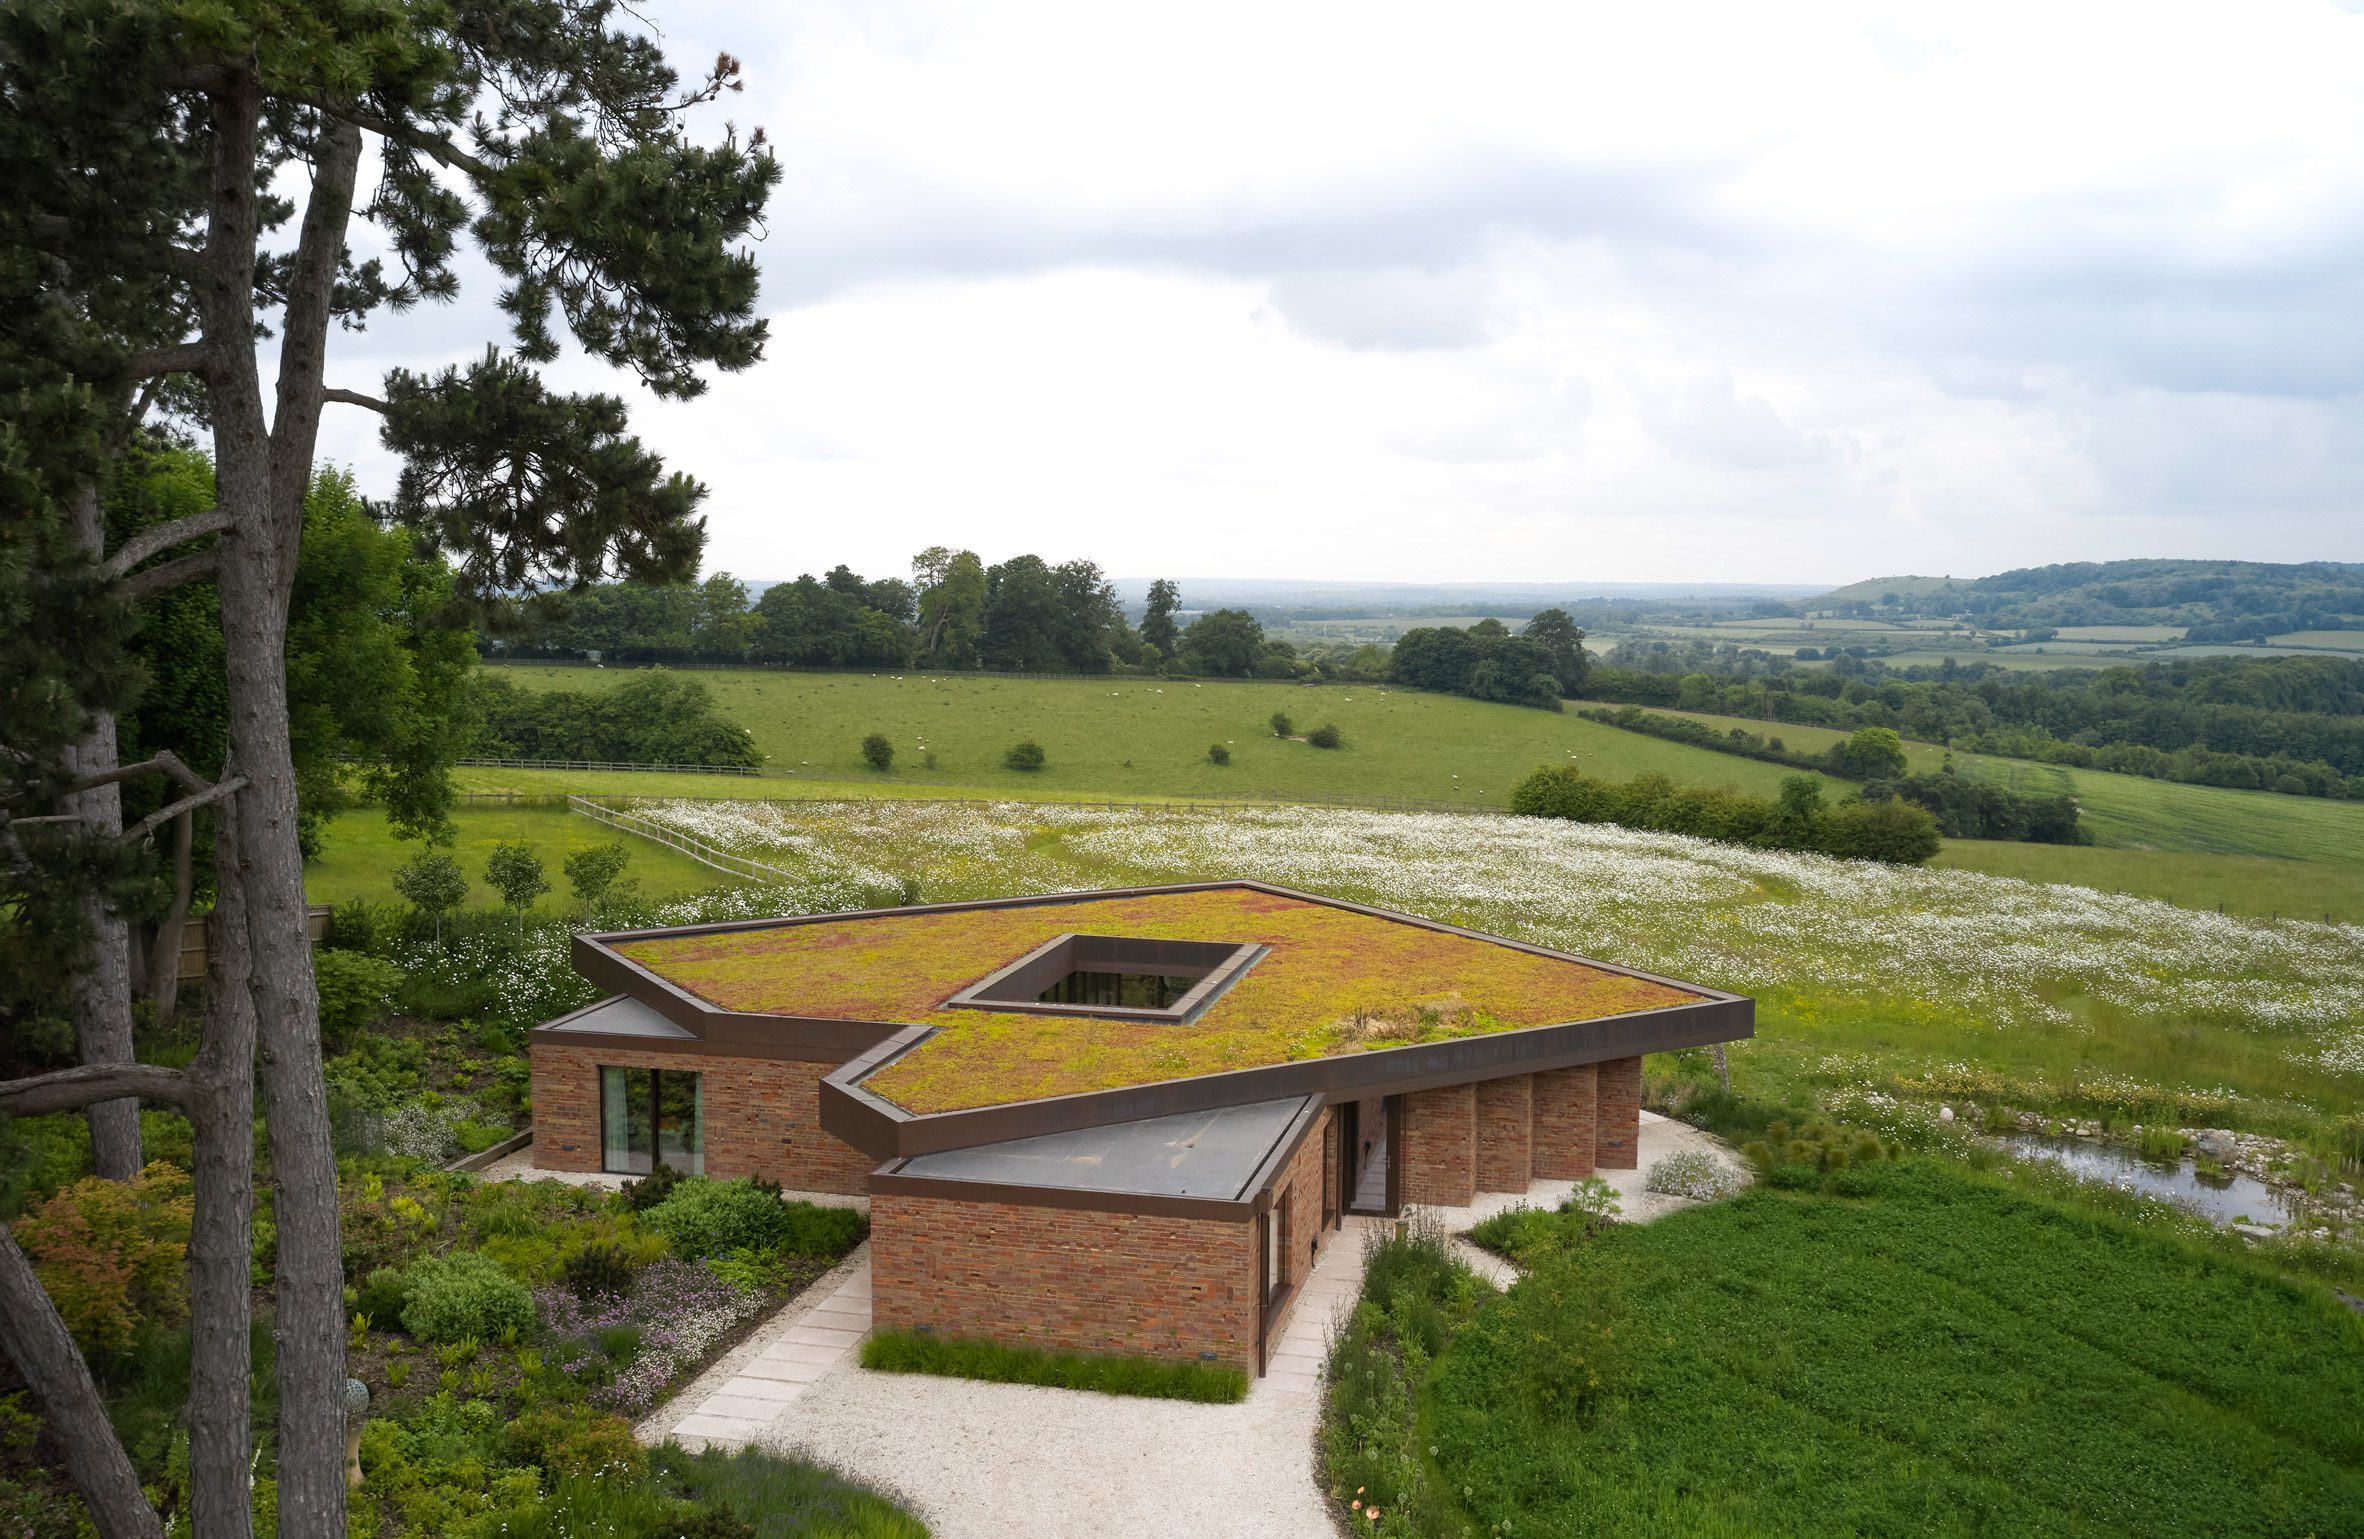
<point>462,1296</point>
<point>651,1189</point>
<point>112,1254</point>
<point>600,1267</point>
<point>715,1218</point>
<point>1026,755</point>
<point>566,1440</point>
<point>1798,1157</point>
<point>783,1496</point>
<point>1217,754</point>
<point>1325,736</point>
<point>381,1297</point>
<point>878,752</point>
<point>1692,1173</point>
<point>354,990</point>
<point>1281,725</point>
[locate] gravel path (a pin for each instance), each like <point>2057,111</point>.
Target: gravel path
<point>982,1461</point>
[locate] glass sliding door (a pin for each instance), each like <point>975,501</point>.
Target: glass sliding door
<point>651,1115</point>
<point>681,1122</point>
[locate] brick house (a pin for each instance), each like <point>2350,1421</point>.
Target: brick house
<point>1122,1121</point>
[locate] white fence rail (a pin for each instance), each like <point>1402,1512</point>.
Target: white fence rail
<point>673,838</point>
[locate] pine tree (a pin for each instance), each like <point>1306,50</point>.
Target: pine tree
<point>144,248</point>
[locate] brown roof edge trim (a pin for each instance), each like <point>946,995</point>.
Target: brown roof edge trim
<point>963,905</point>
<point>603,941</point>
<point>879,1127</point>
<point>869,1122</point>
<point>1260,1191</point>
<point>889,1181</point>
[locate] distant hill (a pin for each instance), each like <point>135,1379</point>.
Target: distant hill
<point>1513,598</point>
<point>2220,601</point>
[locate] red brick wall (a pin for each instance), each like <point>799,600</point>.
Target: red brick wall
<point>1065,1279</point>
<point>1565,1101</point>
<point>1505,1133</point>
<point>1440,1147</point>
<point>1617,1132</point>
<point>1297,1192</point>
<point>763,1115</point>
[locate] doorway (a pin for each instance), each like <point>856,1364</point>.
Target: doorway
<point>1370,1155</point>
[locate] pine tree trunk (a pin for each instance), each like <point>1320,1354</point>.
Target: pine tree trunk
<point>99,996</point>
<point>263,473</point>
<point>36,1341</point>
<point>221,1240</point>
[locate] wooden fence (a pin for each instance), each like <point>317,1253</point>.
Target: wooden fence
<point>697,849</point>
<point>608,764</point>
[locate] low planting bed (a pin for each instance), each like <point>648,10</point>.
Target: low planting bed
<point>526,1325</point>
<point>1900,1346</point>
<point>964,1358</point>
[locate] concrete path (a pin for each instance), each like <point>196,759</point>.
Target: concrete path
<point>754,1384</point>
<point>982,1461</point>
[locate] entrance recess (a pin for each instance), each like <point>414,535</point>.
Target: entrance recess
<point>1370,1155</point>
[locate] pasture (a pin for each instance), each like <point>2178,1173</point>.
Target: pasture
<point>1128,738</point>
<point>2131,812</point>
<point>359,854</point>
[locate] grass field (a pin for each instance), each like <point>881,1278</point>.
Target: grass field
<point>2130,812</point>
<point>2327,641</point>
<point>359,854</point>
<point>2258,885</point>
<point>1128,738</point>
<point>1931,1353</point>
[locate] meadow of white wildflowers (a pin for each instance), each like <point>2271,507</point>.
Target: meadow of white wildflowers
<point>1990,951</point>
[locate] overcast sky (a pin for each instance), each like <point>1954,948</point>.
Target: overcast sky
<point>1565,292</point>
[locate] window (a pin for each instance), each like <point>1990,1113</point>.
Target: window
<point>1114,977</point>
<point>1276,1250</point>
<point>651,1115</point>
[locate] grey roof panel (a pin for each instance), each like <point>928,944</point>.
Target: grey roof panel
<point>1212,1154</point>
<point>620,1015</point>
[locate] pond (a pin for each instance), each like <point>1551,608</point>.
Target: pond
<point>2219,1199</point>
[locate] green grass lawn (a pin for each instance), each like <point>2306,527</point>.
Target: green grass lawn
<point>1936,1354</point>
<point>359,853</point>
<point>2131,812</point>
<point>1123,738</point>
<point>2258,885</point>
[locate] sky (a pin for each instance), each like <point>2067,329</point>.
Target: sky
<point>1565,292</point>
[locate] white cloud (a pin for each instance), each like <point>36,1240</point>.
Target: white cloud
<point>1711,292</point>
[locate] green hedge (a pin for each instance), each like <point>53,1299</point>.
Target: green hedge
<point>960,1358</point>
<point>1894,831</point>
<point>714,1218</point>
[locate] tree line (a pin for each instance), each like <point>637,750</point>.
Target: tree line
<point>2287,724</point>
<point>1878,828</point>
<point>953,613</point>
<point>1964,808</point>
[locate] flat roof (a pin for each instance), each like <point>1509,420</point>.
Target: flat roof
<point>1210,1154</point>
<point>1337,979</point>
<point>620,1015</point>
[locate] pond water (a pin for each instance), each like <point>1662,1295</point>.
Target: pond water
<point>2221,1200</point>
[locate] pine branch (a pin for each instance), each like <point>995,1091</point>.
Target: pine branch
<point>66,1090</point>
<point>191,803</point>
<point>150,581</point>
<point>165,762</point>
<point>436,147</point>
<point>355,398</point>
<point>149,543</point>
<point>180,358</point>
